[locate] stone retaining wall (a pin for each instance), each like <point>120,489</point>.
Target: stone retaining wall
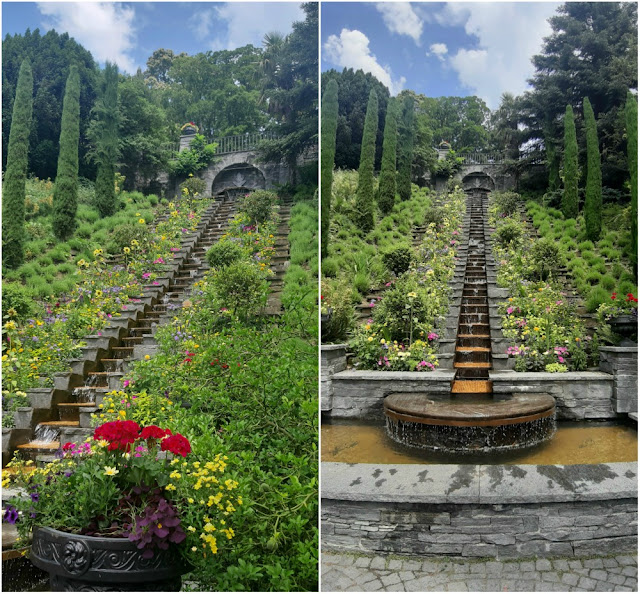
<point>579,394</point>
<point>480,511</point>
<point>622,363</point>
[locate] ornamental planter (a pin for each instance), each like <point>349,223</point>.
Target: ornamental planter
<point>78,563</point>
<point>625,325</point>
<point>325,317</point>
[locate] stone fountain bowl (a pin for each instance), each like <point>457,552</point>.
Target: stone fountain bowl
<point>470,424</point>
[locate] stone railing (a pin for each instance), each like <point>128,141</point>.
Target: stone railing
<point>483,158</point>
<point>241,142</point>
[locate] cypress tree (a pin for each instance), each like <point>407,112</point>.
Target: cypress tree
<point>364,195</point>
<point>593,192</point>
<point>65,194</point>
<point>13,191</point>
<point>106,139</point>
<point>631,115</point>
<point>327,157</point>
<point>387,185</point>
<point>406,149</point>
<point>570,195</point>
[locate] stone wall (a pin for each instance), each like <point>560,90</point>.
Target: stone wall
<point>480,511</point>
<point>622,363</point>
<point>579,394</point>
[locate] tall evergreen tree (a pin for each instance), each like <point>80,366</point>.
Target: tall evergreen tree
<point>593,192</point>
<point>104,134</point>
<point>65,194</point>
<point>631,113</point>
<point>328,148</point>
<point>570,195</point>
<point>364,195</point>
<point>406,149</point>
<point>387,185</point>
<point>13,191</point>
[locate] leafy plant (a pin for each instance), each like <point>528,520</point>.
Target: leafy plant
<point>397,259</point>
<point>224,253</point>
<point>258,205</point>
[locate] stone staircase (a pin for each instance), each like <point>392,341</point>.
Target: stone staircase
<point>106,356</point>
<point>280,260</point>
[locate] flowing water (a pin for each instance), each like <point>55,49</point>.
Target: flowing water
<point>573,443</point>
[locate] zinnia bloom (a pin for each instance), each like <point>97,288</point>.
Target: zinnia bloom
<point>176,444</point>
<point>154,432</point>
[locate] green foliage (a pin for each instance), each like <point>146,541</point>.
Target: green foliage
<point>338,296</point>
<point>398,259</point>
<point>65,195</point>
<point>631,114</point>
<point>506,203</point>
<point>405,157</point>
<point>510,232</point>
<point>17,302</point>
<point>570,195</point>
<point>198,156</point>
<point>546,257</point>
<point>387,183</point>
<point>327,158</point>
<point>448,166</point>
<point>224,253</point>
<point>259,205</point>
<point>13,199</point>
<point>241,288</point>
<point>597,296</point>
<point>593,195</point>
<point>104,134</point>
<point>123,235</point>
<point>364,201</point>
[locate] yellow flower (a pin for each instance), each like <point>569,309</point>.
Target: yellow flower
<point>370,338</point>
<point>147,357</point>
<point>97,252</point>
<point>10,325</point>
<point>191,529</point>
<point>536,329</point>
<point>110,471</point>
<point>382,341</point>
<point>141,221</point>
<point>170,487</point>
<point>126,249</point>
<point>194,549</point>
<point>412,294</point>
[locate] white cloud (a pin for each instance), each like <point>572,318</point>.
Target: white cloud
<point>400,18</point>
<point>508,35</point>
<point>439,50</point>
<point>201,23</point>
<point>106,29</point>
<point>247,23</point>
<point>351,50</point>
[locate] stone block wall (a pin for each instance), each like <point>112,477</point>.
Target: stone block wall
<point>622,363</point>
<point>571,528</point>
<point>579,395</point>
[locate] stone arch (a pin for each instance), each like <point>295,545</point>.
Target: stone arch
<point>238,177</point>
<point>478,180</point>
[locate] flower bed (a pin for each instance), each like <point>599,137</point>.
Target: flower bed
<point>37,347</point>
<point>243,386</point>
<point>539,316</point>
<point>402,334</point>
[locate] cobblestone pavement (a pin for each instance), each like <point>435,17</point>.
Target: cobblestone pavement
<point>343,572</point>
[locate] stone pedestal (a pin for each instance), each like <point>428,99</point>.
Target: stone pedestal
<point>622,363</point>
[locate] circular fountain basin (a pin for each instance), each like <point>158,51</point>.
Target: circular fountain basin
<point>469,424</point>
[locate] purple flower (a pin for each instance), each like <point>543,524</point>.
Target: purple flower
<point>11,515</point>
<point>35,497</point>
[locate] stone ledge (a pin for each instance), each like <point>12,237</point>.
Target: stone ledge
<point>385,376</point>
<point>542,376</point>
<point>478,484</point>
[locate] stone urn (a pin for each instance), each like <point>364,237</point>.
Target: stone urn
<point>78,563</point>
<point>625,325</point>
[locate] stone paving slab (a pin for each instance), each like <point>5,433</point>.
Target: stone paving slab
<point>342,572</point>
<point>467,483</point>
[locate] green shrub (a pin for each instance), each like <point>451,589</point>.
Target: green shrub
<point>17,302</point>
<point>330,267</point>
<point>593,278</point>
<point>259,205</point>
<point>434,215</point>
<point>585,245</point>
<point>45,260</point>
<point>361,282</point>
<point>608,282</point>
<point>398,259</point>
<point>123,235</point>
<point>617,269</point>
<point>84,231</point>
<point>626,287</point>
<point>596,296</point>
<point>546,257</point>
<point>241,288</point>
<point>224,253</point>
<point>506,202</point>
<point>60,253</point>
<point>337,295</point>
<point>509,233</point>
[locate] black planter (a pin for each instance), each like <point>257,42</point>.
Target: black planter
<point>625,326</point>
<point>78,563</point>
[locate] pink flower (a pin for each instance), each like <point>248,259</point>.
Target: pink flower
<point>159,261</point>
<point>509,310</point>
<point>432,336</point>
<point>561,359</point>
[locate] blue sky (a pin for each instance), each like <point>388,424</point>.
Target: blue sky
<point>438,48</point>
<point>129,32</point>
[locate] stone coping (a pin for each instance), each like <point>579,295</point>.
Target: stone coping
<point>333,347</point>
<point>536,376</point>
<point>385,376</point>
<point>619,349</point>
<point>478,484</point>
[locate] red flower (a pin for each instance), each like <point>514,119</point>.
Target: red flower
<point>225,366</point>
<point>67,446</point>
<point>154,432</point>
<point>119,434</point>
<point>176,444</point>
<point>614,295</point>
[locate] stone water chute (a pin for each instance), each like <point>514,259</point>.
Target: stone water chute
<point>471,418</point>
